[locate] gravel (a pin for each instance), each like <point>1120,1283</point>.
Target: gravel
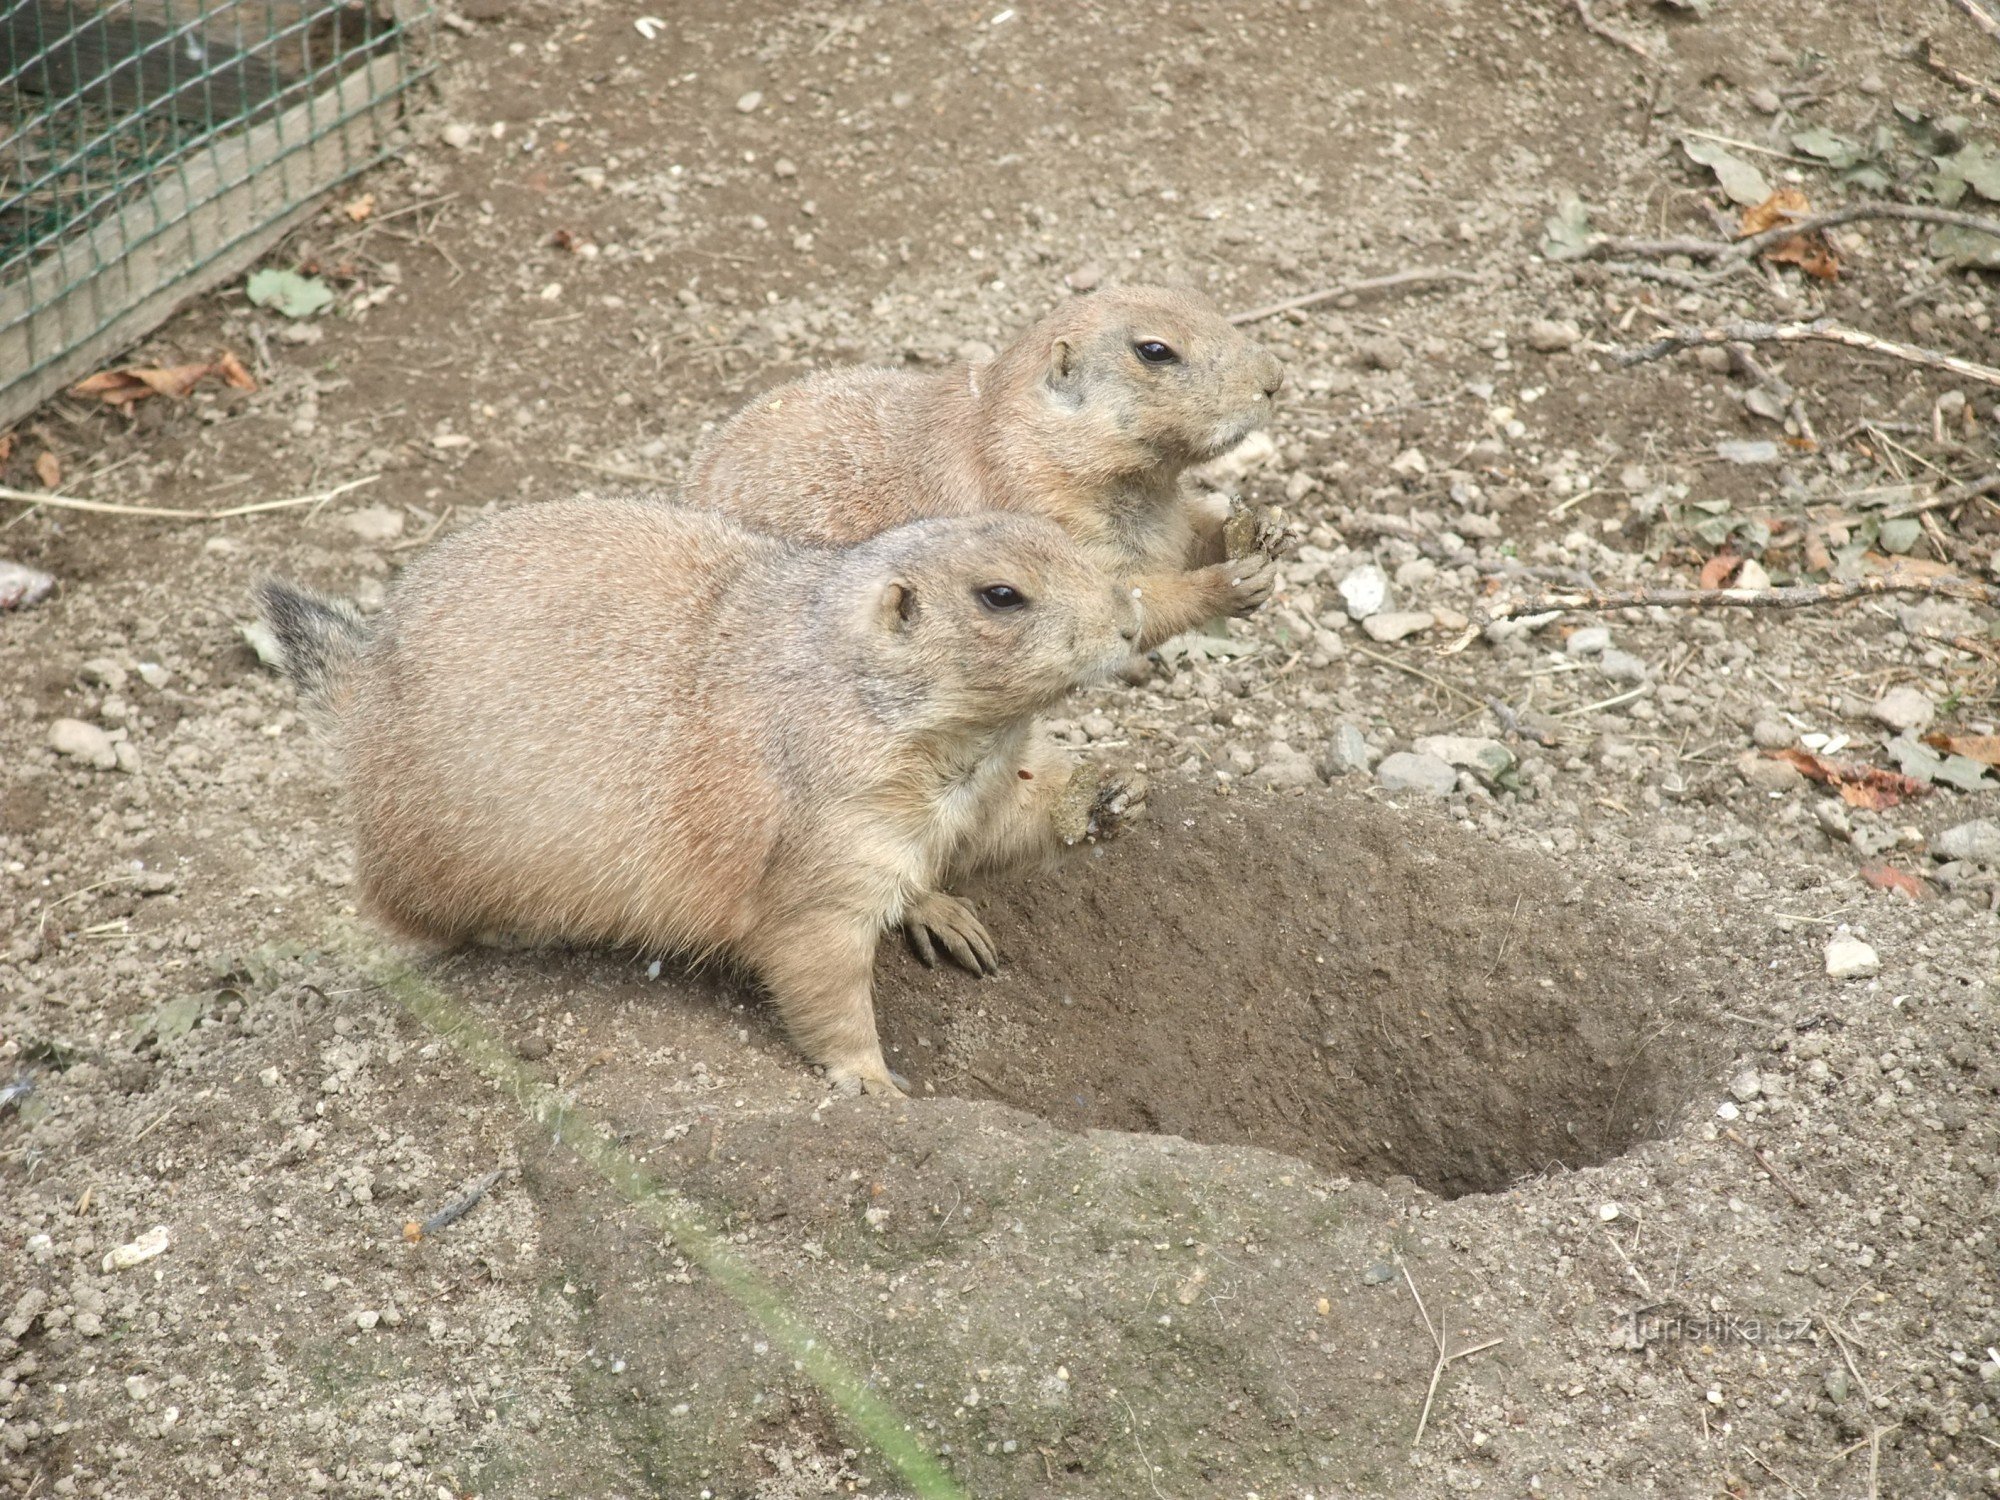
<point>1406,771</point>
<point>84,742</point>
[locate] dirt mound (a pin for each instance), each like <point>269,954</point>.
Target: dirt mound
<point>1364,986</point>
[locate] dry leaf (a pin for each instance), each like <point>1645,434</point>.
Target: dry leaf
<point>6,446</point>
<point>1719,569</point>
<point>135,383</point>
<point>1915,569</point>
<point>1984,748</point>
<point>360,208</point>
<point>1810,252</point>
<point>48,469</point>
<point>1870,787</point>
<point>1889,878</point>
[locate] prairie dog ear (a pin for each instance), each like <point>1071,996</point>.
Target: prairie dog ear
<point>1063,367</point>
<point>896,609</point>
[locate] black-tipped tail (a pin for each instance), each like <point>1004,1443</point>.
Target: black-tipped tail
<point>318,637</point>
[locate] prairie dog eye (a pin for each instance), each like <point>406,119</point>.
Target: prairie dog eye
<point>1153,352</point>
<point>1002,598</point>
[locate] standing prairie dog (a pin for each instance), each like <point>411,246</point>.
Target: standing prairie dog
<point>1089,418</point>
<point>612,720</point>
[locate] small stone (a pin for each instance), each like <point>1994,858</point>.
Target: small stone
<point>1383,353</point>
<point>102,671</point>
<point>1622,666</point>
<point>1347,752</point>
<point>749,102</point>
<point>1847,957</point>
<point>84,742</point>
<point>1977,841</point>
<point>1608,1212</point>
<point>1087,277</point>
<point>1553,335</point>
<point>1394,625</point>
<point>1766,101</point>
<point>458,135</point>
<point>1487,759</point>
<point>1833,819</point>
<point>1771,734</point>
<point>1903,708</point>
<point>1751,576</point>
<point>374,524</point>
<point>367,1318</point>
<point>1591,640</point>
<point>1767,775</point>
<point>533,1048</point>
<point>1365,591</point>
<point>154,675</point>
<point>1745,1086</point>
<point>1410,463</point>
<point>153,1242</point>
<point>1283,768</point>
<point>21,585</point>
<point>1378,1273</point>
<point>784,167</point>
<point>1407,772</point>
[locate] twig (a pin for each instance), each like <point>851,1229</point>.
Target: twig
<point>1444,1358</point>
<point>1763,1159</point>
<point>462,1205</point>
<point>1875,1432</point>
<point>1749,244</point>
<point>1945,499</point>
<point>1821,331</point>
<point>1418,277</point>
<point>1796,596</point>
<point>176,513</point>
<point>1510,723</point>
<point>1980,17</point>
<point>1977,87</point>
<point>1612,702</point>
<point>1610,34</point>
<point>1687,281</point>
<point>1439,682</point>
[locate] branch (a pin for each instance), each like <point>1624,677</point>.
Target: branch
<point>1353,288</point>
<point>1823,331</point>
<point>1980,17</point>
<point>1617,38</point>
<point>176,513</point>
<point>1741,249</point>
<point>1797,596</point>
<point>1977,87</point>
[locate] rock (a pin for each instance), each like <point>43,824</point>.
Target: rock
<point>1383,353</point>
<point>1410,463</point>
<point>154,675</point>
<point>1903,708</point>
<point>1487,759</point>
<point>1833,818</point>
<point>1767,775</point>
<point>784,167</point>
<point>153,1242</point>
<point>102,671</point>
<point>1396,624</point>
<point>1622,666</point>
<point>1407,772</point>
<point>1745,1086</point>
<point>1087,277</point>
<point>1284,767</point>
<point>1591,640</point>
<point>1347,751</point>
<point>374,523</point>
<point>21,585</point>
<point>749,102</point>
<point>1977,841</point>
<point>1553,335</point>
<point>1751,576</point>
<point>1847,957</point>
<point>367,1318</point>
<point>458,135</point>
<point>84,742</point>
<point>1365,591</point>
<point>1771,734</point>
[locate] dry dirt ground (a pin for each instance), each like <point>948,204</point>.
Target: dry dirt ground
<point>1551,1044</point>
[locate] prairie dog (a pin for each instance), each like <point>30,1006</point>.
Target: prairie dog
<point>619,721</point>
<point>1089,418</point>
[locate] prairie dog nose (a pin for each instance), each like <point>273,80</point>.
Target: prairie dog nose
<point>1271,373</point>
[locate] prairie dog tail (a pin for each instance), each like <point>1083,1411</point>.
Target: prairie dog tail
<point>318,637</point>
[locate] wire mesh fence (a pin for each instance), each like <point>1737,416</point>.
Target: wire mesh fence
<point>152,148</point>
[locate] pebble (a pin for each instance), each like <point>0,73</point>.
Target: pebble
<point>1285,767</point>
<point>374,523</point>
<point>1745,1086</point>
<point>153,1242</point>
<point>1394,625</point>
<point>1833,818</point>
<point>1487,758</point>
<point>1903,708</point>
<point>1977,841</point>
<point>1384,353</point>
<point>749,102</point>
<point>784,166</point>
<point>84,742</point>
<point>458,135</point>
<point>1591,640</point>
<point>367,1318</point>
<point>1347,751</point>
<point>1553,335</point>
<point>102,671</point>
<point>1409,772</point>
<point>1622,666</point>
<point>1847,957</point>
<point>1767,775</point>
<point>1771,734</point>
<point>1365,591</point>
<point>21,585</point>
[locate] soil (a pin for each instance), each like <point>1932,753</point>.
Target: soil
<point>1552,1045</point>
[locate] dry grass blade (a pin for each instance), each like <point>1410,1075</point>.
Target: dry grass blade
<point>1446,1356</point>
<point>1610,34</point>
<point>1980,17</point>
<point>1419,277</point>
<point>177,513</point>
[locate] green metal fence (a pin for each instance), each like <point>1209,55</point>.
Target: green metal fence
<point>150,149</point>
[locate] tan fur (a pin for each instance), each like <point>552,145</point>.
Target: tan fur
<point>1068,423</point>
<point>619,721</point>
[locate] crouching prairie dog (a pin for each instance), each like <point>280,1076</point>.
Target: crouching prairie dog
<point>1089,418</point>
<point>612,720</point>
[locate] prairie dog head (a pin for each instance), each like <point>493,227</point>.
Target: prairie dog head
<point>1142,377</point>
<point>985,620</point>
